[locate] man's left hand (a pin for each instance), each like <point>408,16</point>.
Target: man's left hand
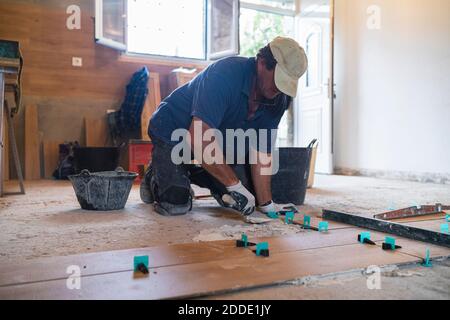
<point>275,207</point>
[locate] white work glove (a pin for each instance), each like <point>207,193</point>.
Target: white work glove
<point>240,199</point>
<point>275,207</point>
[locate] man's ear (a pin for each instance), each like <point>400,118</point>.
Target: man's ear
<point>262,61</point>
<point>262,64</point>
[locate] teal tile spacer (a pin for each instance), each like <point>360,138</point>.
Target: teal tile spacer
<point>137,260</point>
<point>391,241</point>
<point>273,215</point>
<point>391,207</point>
<point>261,246</point>
<point>426,261</point>
<point>447,217</point>
<point>244,239</point>
<point>323,226</point>
<point>364,235</point>
<point>444,228</point>
<point>306,222</point>
<point>289,217</point>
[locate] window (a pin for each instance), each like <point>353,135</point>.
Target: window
<point>110,23</point>
<point>223,28</point>
<point>260,22</point>
<point>313,49</point>
<point>288,5</point>
<point>169,28</point>
<point>258,28</point>
<point>195,29</point>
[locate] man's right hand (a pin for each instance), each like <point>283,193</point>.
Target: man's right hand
<point>242,200</point>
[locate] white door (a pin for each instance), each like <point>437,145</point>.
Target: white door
<point>313,116</point>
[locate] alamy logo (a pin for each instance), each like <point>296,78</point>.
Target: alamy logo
<point>73,282</point>
<point>235,147</point>
<point>374,278</point>
<point>73,22</point>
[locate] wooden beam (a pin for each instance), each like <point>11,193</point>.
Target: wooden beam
<point>5,155</point>
<point>32,159</point>
<point>397,229</point>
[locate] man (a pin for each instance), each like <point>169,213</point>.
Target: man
<point>232,93</point>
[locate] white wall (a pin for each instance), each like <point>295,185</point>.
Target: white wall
<point>392,111</point>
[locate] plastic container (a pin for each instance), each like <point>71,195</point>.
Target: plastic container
<point>290,183</point>
<point>139,155</point>
<point>312,167</point>
<point>108,190</point>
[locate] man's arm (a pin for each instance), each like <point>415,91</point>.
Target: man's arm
<point>242,199</point>
<point>261,177</point>
<point>220,170</point>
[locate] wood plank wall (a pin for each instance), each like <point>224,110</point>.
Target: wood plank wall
<point>64,94</point>
<point>48,47</point>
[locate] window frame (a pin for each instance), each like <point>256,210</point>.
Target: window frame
<point>315,29</point>
<point>234,50</point>
<point>130,55</point>
<point>280,141</point>
<point>208,57</point>
<point>98,32</point>
<point>268,9</point>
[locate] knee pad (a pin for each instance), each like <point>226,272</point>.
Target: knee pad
<point>174,201</point>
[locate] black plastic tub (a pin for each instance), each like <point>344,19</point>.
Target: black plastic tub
<point>96,159</point>
<point>290,183</point>
<point>103,191</point>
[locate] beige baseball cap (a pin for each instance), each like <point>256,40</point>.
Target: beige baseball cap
<point>291,64</point>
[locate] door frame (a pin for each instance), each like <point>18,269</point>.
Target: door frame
<point>330,87</point>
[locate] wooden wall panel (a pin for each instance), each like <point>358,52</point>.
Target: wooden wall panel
<point>50,80</point>
<point>97,133</point>
<point>5,155</point>
<point>152,102</point>
<point>32,143</point>
<point>48,47</point>
<point>51,157</point>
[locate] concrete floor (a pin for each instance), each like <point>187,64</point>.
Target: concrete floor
<point>48,222</point>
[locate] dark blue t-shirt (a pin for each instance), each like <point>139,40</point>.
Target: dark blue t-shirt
<point>219,97</point>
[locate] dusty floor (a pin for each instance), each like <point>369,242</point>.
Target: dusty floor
<point>404,283</point>
<point>50,223</point>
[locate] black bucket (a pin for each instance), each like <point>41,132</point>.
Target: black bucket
<point>96,159</point>
<point>103,190</point>
<point>290,183</point>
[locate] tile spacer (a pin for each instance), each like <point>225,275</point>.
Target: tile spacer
<point>273,215</point>
<point>426,262</point>
<point>289,217</point>
<point>262,249</point>
<point>364,237</point>
<point>389,244</point>
<point>323,226</point>
<point>447,217</point>
<point>444,228</point>
<point>306,222</point>
<point>140,263</point>
<point>243,243</point>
